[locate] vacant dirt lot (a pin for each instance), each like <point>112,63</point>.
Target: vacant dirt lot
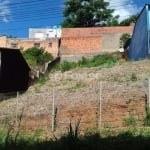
<point>98,97</point>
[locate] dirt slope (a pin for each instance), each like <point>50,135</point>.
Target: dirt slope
<point>77,94</point>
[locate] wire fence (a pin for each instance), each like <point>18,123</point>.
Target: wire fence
<point>95,104</point>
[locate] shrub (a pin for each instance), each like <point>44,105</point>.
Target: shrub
<point>65,66</point>
<point>36,56</point>
<point>124,39</point>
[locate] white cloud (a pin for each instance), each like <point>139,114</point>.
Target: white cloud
<point>123,8</point>
<point>4,10</point>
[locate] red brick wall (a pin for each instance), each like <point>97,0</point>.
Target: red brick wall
<point>81,45</point>
<point>90,40</point>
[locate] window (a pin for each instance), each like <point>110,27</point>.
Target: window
<point>50,45</point>
<point>36,44</point>
<point>14,45</point>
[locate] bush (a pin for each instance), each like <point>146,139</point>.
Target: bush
<point>124,40</point>
<point>36,56</point>
<point>65,66</point>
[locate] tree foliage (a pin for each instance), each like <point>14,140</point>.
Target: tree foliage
<point>128,21</point>
<point>36,56</point>
<point>87,13</point>
<point>124,40</point>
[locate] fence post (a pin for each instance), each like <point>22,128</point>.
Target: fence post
<point>149,93</point>
<point>53,110</point>
<point>17,101</point>
<point>100,106</point>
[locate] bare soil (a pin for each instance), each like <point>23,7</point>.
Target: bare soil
<point>123,90</point>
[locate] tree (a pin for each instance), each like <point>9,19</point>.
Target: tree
<point>129,20</point>
<point>36,56</point>
<point>87,13</point>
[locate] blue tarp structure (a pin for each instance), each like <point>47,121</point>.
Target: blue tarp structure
<point>139,47</point>
<point>14,71</point>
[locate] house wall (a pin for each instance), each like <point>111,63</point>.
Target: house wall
<point>91,41</point>
<point>50,45</point>
<point>43,33</point>
<point>3,41</point>
<point>139,43</point>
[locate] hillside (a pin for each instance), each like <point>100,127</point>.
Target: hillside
<point>77,93</point>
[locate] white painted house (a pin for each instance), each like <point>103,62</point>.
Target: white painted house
<point>45,33</point>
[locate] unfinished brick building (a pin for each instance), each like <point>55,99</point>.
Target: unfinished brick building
<point>78,42</point>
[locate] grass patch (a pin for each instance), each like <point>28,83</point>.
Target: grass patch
<point>42,80</point>
<point>103,61</point>
<point>134,77</point>
<point>130,121</point>
<point>147,118</point>
<point>77,86</point>
<point>72,141</point>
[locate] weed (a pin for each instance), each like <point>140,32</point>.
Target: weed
<point>144,132</point>
<point>37,90</point>
<point>133,77</point>
<point>38,133</point>
<point>147,118</point>
<point>42,80</point>
<point>105,60</point>
<point>65,66</point>
<point>130,121</point>
<point>78,86</point>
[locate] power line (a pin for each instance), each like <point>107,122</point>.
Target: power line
<point>31,11</point>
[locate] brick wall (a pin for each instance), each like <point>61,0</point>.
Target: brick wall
<point>78,41</point>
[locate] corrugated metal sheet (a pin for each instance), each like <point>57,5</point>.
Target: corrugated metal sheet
<point>139,43</point>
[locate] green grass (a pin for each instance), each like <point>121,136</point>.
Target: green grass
<point>130,121</point>
<point>147,118</point>
<point>101,61</point>
<point>42,80</point>
<point>72,140</point>
<point>78,85</point>
<point>126,140</point>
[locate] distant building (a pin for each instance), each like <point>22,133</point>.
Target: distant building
<point>139,47</point>
<point>50,45</point>
<point>44,33</point>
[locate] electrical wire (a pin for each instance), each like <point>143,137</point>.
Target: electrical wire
<point>30,11</point>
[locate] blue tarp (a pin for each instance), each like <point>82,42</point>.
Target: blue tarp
<point>139,44</point>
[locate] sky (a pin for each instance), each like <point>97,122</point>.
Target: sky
<point>17,16</point>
